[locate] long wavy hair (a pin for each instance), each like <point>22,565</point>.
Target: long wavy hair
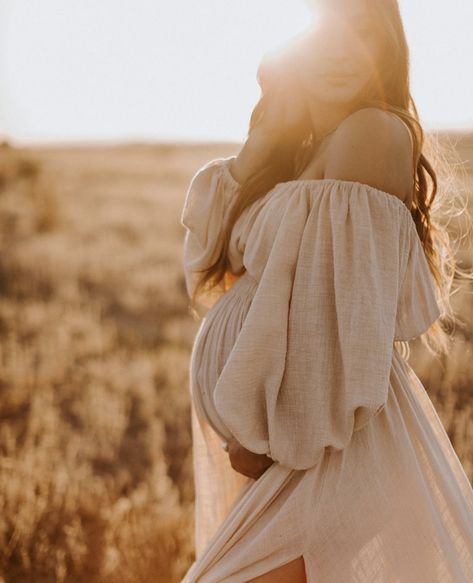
<point>432,207</point>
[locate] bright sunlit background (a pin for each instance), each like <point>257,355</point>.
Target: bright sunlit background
<point>96,326</point>
<point>187,70</point>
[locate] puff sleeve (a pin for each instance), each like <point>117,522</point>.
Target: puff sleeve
<point>208,199</point>
<point>311,364</point>
<point>417,304</point>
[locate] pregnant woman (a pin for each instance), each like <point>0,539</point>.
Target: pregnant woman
<point>313,257</point>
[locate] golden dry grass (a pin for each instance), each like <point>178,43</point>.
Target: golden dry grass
<point>95,443</point>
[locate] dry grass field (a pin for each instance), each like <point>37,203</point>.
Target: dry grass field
<point>95,338</point>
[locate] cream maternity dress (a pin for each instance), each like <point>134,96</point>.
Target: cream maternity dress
<point>298,359</point>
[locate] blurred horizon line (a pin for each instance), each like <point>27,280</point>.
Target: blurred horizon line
<point>176,142</point>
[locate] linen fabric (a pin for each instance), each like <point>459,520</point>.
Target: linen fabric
<point>299,359</point>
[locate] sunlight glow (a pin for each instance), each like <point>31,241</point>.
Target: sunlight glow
<point>286,20</point>
<point>187,70</point>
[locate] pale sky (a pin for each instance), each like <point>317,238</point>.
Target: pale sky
<point>186,70</point>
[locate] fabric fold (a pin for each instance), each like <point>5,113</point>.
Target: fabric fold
<point>300,361</point>
<point>417,305</point>
<point>312,361</point>
<point>208,199</point>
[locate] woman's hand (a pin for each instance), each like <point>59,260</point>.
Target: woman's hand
<point>247,462</point>
<point>286,106</point>
<point>286,109</point>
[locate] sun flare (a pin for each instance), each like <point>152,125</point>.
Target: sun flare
<point>192,67</point>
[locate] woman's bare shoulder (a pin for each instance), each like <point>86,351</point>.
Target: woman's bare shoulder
<point>371,147</point>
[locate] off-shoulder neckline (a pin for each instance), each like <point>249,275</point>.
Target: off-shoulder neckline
<point>308,181</point>
<point>316,181</point>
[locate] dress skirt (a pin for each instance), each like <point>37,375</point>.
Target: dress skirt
<point>424,493</point>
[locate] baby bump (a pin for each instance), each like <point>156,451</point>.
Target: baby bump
<point>214,342</point>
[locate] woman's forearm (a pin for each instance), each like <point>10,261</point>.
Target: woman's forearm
<point>253,154</point>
